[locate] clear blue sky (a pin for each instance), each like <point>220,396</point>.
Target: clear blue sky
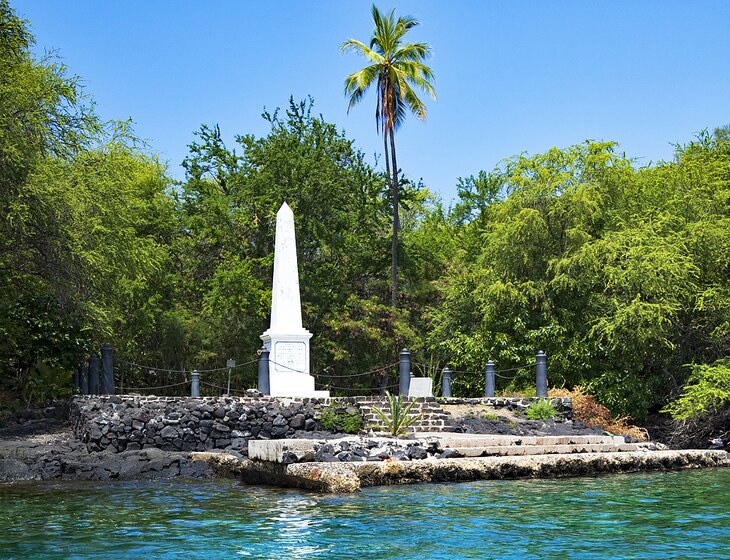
<point>512,77</point>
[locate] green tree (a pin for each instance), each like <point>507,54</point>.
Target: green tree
<point>42,116</point>
<point>85,225</point>
<point>706,393</point>
<point>620,274</point>
<point>395,68</point>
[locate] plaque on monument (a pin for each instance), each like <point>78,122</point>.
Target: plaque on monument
<point>290,356</point>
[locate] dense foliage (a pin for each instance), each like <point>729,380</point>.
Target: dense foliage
<point>84,226</point>
<point>706,392</point>
<point>621,274</point>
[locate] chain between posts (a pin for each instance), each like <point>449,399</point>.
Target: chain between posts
<point>222,388</point>
<point>156,387</point>
<point>168,370</point>
<point>81,374</point>
<point>329,376</point>
<point>393,386</point>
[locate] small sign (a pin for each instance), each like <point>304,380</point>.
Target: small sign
<point>421,387</point>
<point>290,357</point>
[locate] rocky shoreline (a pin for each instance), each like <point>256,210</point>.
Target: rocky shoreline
<point>45,446</point>
<point>59,456</point>
<point>353,476</point>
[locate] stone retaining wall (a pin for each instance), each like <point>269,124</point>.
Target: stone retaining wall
<point>132,422</point>
<point>121,423</point>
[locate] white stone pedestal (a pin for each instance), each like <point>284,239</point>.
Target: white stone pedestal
<point>289,365</point>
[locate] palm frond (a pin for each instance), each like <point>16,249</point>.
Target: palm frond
<point>412,51</point>
<point>355,45</point>
<point>397,67</point>
<point>417,74</point>
<point>358,83</point>
<point>415,105</point>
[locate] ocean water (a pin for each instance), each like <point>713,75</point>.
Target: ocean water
<point>662,515</point>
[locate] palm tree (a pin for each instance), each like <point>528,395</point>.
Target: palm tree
<point>395,67</point>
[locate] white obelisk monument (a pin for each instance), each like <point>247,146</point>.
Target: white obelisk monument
<point>286,339</point>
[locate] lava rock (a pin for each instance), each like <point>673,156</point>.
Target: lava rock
<point>297,421</point>
<point>324,457</point>
<point>449,454</point>
<point>417,452</point>
<point>169,432</point>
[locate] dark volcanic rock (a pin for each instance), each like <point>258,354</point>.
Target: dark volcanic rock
<point>169,432</point>
<point>503,426</point>
<point>297,421</point>
<point>417,452</point>
<point>324,457</point>
<point>449,454</point>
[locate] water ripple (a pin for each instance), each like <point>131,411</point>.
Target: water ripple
<point>666,515</point>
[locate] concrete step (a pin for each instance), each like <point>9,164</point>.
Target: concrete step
<point>504,450</point>
<point>489,440</point>
<point>281,450</point>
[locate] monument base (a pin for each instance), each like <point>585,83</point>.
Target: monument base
<point>294,385</point>
<point>289,365</point>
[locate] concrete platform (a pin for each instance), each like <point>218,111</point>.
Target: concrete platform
<point>513,450</point>
<point>351,477</point>
<point>466,445</point>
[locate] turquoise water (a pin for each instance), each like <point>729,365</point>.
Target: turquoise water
<point>667,515</point>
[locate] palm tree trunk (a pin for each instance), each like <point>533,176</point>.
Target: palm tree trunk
<point>387,153</point>
<point>396,227</point>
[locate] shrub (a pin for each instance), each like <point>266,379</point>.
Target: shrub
<point>593,414</point>
<point>351,423</point>
<point>46,381</point>
<point>541,410</point>
<point>707,391</point>
<point>338,420</point>
<point>328,420</point>
<point>396,418</point>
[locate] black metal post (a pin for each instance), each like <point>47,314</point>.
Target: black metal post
<point>489,379</point>
<point>541,374</point>
<point>195,383</point>
<point>404,369</point>
<point>84,378</point>
<point>264,379</point>
<point>446,383</point>
<point>93,375</point>
<point>107,369</point>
